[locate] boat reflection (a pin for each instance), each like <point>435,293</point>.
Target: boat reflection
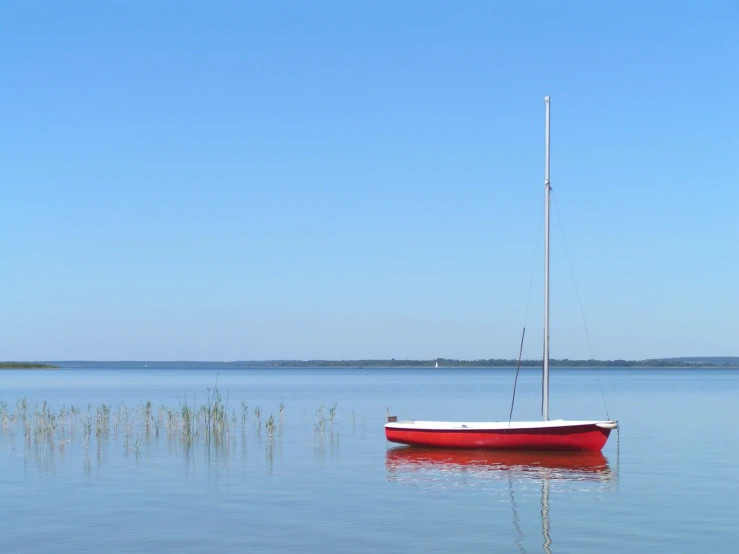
<point>509,473</point>
<point>577,466</point>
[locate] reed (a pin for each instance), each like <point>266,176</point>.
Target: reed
<point>147,415</point>
<point>244,414</point>
<point>102,421</point>
<point>192,427</point>
<point>270,426</point>
<point>320,421</point>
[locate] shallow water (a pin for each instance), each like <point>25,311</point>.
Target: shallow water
<point>666,484</point>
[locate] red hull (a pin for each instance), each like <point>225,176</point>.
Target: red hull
<point>588,437</point>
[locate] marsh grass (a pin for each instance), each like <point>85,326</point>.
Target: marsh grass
<point>188,427</point>
<point>325,426</point>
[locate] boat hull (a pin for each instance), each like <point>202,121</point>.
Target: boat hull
<point>580,436</point>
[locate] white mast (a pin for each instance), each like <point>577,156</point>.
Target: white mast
<point>547,190</point>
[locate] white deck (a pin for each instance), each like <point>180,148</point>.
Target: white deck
<point>492,425</point>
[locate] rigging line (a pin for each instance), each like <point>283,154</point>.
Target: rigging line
<point>528,303</point>
<point>515,381</point>
<point>574,282</point>
<point>579,302</point>
<point>618,449</point>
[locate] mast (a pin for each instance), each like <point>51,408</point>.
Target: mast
<point>547,190</point>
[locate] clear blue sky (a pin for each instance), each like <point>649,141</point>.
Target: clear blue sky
<point>233,180</point>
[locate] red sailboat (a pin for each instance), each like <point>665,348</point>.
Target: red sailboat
<point>526,435</point>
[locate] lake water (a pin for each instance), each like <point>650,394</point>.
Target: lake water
<point>327,481</point>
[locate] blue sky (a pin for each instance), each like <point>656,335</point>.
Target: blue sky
<point>233,180</point>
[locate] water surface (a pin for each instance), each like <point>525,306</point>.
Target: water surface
<point>666,484</point>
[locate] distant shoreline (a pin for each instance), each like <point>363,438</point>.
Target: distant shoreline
<point>443,363</point>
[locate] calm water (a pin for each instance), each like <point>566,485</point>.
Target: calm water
<point>668,485</point>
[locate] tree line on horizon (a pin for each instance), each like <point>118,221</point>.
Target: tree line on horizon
<point>492,362</point>
<point>25,365</point>
<point>704,362</point>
